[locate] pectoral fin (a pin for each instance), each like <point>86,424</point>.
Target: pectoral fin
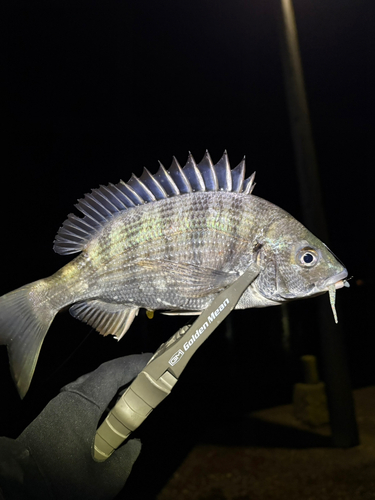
<point>195,281</point>
<point>106,318</point>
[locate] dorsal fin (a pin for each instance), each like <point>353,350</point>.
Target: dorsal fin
<point>165,179</point>
<point>207,170</point>
<point>249,184</point>
<point>238,177</point>
<point>102,204</point>
<point>193,175</point>
<point>179,177</point>
<point>224,176</point>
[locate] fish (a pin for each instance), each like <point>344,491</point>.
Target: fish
<point>168,242</point>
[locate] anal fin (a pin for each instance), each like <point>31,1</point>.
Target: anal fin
<point>106,318</point>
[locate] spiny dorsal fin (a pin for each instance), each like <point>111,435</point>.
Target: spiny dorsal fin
<point>103,203</point>
<point>223,172</point>
<point>249,184</point>
<point>238,177</point>
<point>193,175</point>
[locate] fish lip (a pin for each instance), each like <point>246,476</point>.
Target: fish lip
<point>337,280</point>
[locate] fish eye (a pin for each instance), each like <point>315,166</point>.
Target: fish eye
<point>307,257</point>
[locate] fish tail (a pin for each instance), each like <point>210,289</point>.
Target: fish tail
<point>25,316</point>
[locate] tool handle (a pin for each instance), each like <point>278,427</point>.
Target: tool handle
<point>130,411</point>
<point>155,382</point>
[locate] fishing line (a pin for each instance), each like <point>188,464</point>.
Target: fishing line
<point>73,353</point>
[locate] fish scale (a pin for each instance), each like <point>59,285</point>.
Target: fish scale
<point>199,239</point>
<point>170,241</point>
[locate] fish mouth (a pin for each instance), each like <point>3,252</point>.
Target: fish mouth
<point>331,285</point>
<point>338,280</point>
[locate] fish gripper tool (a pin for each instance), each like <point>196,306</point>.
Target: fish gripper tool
<point>155,382</point>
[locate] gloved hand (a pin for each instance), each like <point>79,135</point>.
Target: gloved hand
<point>52,458</point>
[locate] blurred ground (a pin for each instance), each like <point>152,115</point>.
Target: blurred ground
<point>281,460</point>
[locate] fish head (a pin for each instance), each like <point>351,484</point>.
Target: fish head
<point>295,264</point>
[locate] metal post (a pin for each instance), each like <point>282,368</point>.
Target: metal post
<point>340,400</point>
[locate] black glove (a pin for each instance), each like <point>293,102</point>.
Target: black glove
<point>52,458</point>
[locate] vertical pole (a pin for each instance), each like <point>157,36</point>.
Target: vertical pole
<point>340,400</point>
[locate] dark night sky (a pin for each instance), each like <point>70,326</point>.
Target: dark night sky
<point>95,90</point>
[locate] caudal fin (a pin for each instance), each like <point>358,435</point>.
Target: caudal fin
<point>24,322</point>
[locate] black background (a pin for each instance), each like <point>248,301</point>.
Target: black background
<point>95,90</point>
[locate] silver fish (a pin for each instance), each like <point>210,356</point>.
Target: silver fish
<point>169,241</point>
